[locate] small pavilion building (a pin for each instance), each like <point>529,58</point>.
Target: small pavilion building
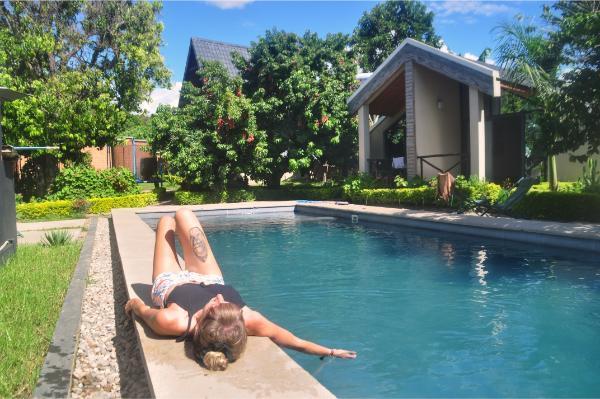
<point>448,109</point>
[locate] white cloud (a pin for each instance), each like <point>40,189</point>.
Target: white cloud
<point>162,96</point>
<point>229,4</point>
<point>447,21</point>
<point>470,56</point>
<point>451,7</point>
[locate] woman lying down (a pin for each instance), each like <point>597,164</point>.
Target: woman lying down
<point>196,304</point>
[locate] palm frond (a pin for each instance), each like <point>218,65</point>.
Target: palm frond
<point>520,52</point>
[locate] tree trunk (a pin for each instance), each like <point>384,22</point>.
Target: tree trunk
<point>275,180</point>
<point>552,176</point>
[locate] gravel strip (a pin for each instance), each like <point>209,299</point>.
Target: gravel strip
<point>108,363</point>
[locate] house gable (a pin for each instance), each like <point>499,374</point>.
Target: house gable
<point>470,73</point>
<point>209,50</point>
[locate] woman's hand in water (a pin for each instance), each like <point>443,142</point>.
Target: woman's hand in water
<point>343,354</point>
<point>131,305</point>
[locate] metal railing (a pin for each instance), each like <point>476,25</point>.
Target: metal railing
<point>424,159</point>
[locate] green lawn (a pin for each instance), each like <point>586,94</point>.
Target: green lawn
<point>33,284</point>
<point>148,187</point>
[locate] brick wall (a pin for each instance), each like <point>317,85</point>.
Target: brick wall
<point>145,165</point>
<point>101,158</point>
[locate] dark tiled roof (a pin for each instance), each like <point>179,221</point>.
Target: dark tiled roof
<point>217,51</point>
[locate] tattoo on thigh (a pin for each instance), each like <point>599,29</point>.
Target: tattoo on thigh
<point>199,243</point>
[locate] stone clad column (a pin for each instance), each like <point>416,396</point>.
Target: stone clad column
<point>411,139</point>
<point>476,133</point>
<point>364,142</point>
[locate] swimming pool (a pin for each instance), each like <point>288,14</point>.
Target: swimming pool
<point>430,314</point>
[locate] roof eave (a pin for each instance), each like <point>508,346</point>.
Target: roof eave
<point>366,91</point>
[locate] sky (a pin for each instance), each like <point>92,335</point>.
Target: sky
<point>465,26</point>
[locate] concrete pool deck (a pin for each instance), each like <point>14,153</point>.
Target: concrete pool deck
<point>265,370</point>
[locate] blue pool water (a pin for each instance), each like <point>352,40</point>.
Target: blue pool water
<point>429,314</point>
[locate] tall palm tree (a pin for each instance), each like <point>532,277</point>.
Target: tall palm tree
<point>529,57</point>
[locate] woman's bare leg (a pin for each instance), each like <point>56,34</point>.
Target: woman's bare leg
<point>165,257</point>
<point>197,254</point>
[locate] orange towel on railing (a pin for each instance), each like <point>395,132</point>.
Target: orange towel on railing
<point>445,185</point>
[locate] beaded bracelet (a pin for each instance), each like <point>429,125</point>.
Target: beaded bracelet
<point>330,354</point>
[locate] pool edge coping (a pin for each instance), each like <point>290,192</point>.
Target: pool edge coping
<point>280,375</point>
<point>579,236</point>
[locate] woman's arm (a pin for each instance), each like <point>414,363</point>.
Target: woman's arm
<point>257,324</point>
<point>161,321</point>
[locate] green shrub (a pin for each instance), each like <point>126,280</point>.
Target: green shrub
<point>425,193</point>
<point>259,194</point>
<point>562,206</point>
<point>207,197</point>
<point>420,196</point>
<point>323,193</point>
<point>361,181</point>
<point>400,182</point>
<point>104,205</point>
<point>474,189</point>
<point>121,180</point>
<point>46,210</point>
<point>85,182</point>
<point>69,209</point>
<point>193,198</point>
<point>172,180</point>
<point>590,181</point>
<point>563,186</point>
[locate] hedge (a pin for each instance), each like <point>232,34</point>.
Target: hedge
<point>66,208</point>
<point>562,206</point>
<point>298,193</point>
<point>258,194</point>
<point>420,196</point>
<point>199,198</point>
<point>104,205</point>
<point>45,210</point>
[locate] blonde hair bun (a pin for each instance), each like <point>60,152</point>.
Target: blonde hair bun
<point>215,361</point>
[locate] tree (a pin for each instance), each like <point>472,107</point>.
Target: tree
<point>214,138</point>
<point>299,86</point>
<point>577,34</point>
<point>382,29</point>
<point>86,65</point>
<point>562,61</point>
<point>137,126</point>
<point>485,54</point>
<point>529,57</point>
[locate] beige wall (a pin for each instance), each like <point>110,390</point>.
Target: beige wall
<point>571,171</point>
<point>437,131</point>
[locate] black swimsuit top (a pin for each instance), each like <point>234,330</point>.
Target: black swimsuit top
<point>192,297</point>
